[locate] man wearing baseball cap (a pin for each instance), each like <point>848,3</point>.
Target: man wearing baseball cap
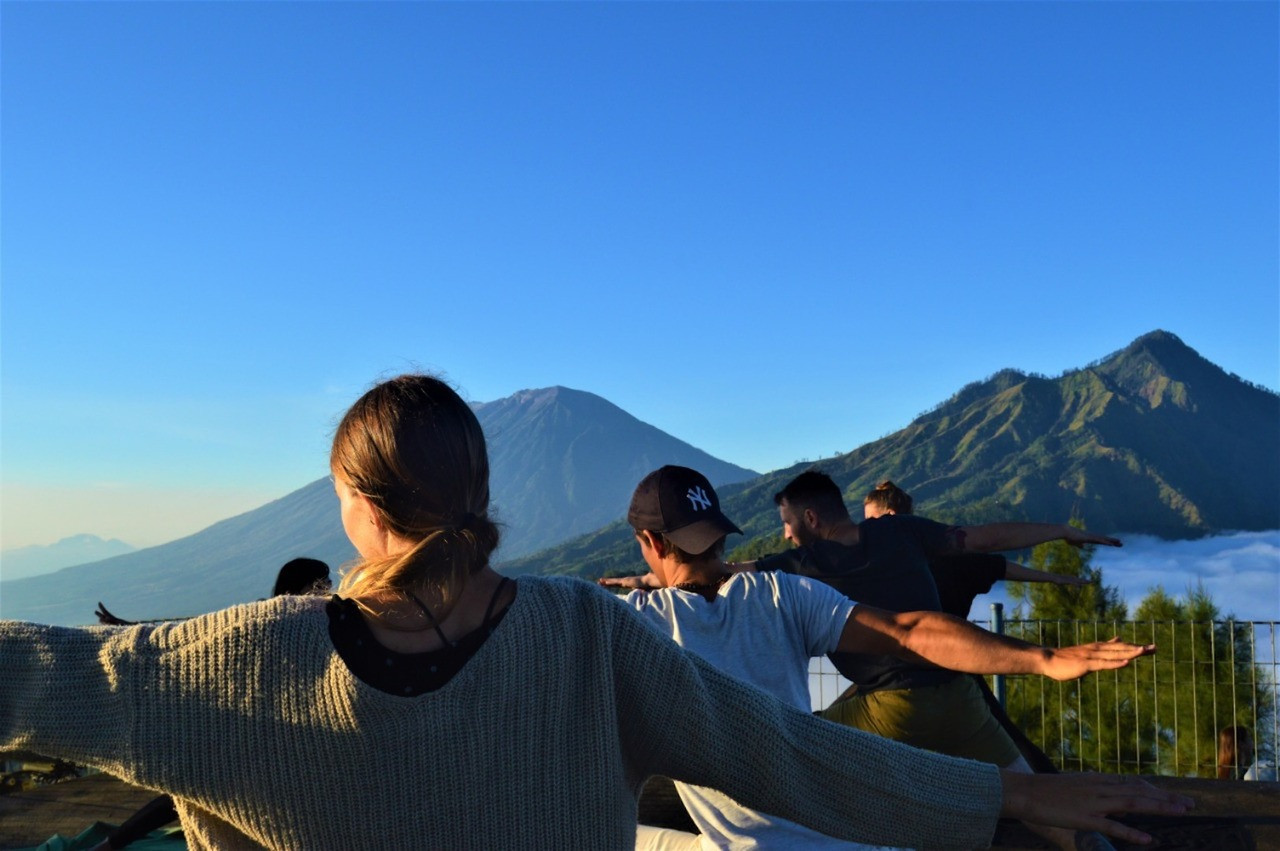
<point>763,627</point>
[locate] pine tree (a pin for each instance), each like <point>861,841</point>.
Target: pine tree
<point>1158,715</point>
<point>1048,601</point>
<point>1068,719</point>
<point>1203,676</point>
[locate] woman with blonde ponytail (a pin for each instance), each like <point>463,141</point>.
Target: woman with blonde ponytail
<point>432,703</point>
<point>412,476</point>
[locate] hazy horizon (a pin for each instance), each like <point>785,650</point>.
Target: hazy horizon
<point>1240,569</point>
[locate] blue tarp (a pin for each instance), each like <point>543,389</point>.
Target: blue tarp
<point>165,839</point>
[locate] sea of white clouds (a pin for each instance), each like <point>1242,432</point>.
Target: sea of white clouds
<point>1241,571</point>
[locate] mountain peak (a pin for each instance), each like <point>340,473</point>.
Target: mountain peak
<point>564,461</point>
<point>537,394</point>
<point>1159,336</point>
<point>534,396</point>
<point>1160,360</point>
<point>82,539</point>
<point>1159,344</point>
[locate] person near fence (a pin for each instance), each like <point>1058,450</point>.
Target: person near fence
<point>764,627</point>
<point>454,708</point>
<point>884,562</point>
<point>960,579</point>
<point>963,576</point>
<point>1236,757</point>
<point>1235,752</point>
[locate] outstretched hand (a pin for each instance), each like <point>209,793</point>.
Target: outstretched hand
<point>1068,663</point>
<point>105,617</point>
<point>1084,801</point>
<point>643,582</point>
<point>1079,537</point>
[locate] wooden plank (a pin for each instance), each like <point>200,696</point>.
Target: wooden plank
<point>1230,815</point>
<point>29,818</point>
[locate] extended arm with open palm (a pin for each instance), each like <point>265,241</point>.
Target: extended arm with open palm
<point>950,642</point>
<point>996,537</point>
<point>1015,572</point>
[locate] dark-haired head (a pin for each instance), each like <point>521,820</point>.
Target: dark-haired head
<point>302,576</point>
<point>810,507</point>
<point>414,450</point>
<point>816,491</point>
<point>1235,752</point>
<point>887,498</point>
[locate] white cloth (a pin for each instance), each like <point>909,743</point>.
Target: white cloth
<point>762,628</point>
<point>650,838</point>
<point>1262,770</point>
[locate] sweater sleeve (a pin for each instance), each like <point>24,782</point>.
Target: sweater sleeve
<point>60,691</point>
<point>696,724</point>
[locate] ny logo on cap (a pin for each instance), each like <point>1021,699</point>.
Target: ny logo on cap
<point>698,498</point>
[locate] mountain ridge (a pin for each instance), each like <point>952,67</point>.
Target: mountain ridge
<point>36,559</point>
<point>1152,438</point>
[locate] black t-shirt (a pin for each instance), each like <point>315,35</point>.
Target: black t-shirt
<point>962,577</point>
<point>888,568</point>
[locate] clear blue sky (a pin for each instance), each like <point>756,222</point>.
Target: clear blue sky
<point>773,230</point>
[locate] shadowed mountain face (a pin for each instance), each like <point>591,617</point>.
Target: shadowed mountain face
<point>1152,439</point>
<point>562,462</point>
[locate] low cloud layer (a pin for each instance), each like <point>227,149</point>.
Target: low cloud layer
<point>1241,571</point>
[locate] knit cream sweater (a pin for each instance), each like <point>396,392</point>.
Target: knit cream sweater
<point>543,740</point>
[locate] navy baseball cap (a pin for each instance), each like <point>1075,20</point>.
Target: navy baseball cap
<point>681,504</point>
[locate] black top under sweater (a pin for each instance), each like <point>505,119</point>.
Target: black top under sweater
<point>407,674</point>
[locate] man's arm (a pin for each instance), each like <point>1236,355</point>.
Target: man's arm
<point>1015,572</point>
<point>994,537</point>
<point>950,642</point>
<point>640,582</point>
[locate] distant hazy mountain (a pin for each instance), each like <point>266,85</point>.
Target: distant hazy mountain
<point>1151,439</point>
<point>562,462</point>
<point>21,562</point>
<point>232,561</point>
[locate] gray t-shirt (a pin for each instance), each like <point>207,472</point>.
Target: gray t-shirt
<point>762,628</point>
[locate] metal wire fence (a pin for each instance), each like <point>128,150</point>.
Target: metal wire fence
<point>1160,715</point>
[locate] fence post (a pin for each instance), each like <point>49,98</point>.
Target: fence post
<point>997,626</point>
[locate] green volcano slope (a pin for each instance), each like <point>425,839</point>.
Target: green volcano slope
<point>1151,439</point>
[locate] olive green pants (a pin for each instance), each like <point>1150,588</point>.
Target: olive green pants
<point>951,718</point>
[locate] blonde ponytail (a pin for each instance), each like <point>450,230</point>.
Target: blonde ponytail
<point>415,450</point>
